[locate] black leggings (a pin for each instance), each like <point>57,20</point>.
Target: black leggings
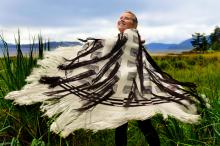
<point>146,128</point>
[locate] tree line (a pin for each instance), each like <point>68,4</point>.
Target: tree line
<point>202,43</point>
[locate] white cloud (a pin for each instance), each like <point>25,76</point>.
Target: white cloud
<point>95,28</point>
<point>159,21</point>
<point>165,34</point>
<point>172,33</point>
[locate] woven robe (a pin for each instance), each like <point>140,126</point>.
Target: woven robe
<point>104,84</point>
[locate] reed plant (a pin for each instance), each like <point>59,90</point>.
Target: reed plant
<point>18,124</point>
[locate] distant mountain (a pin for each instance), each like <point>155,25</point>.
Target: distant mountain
<point>53,44</point>
<point>183,45</point>
<point>158,47</point>
<point>26,47</point>
<point>151,47</point>
<point>162,47</point>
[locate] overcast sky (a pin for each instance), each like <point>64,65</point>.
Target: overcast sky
<point>165,21</point>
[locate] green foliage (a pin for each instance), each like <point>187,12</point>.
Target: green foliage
<point>203,70</point>
<point>215,39</point>
<point>180,64</point>
<point>37,142</point>
<point>164,64</point>
<point>202,44</point>
<point>21,124</point>
<point>215,46</point>
<point>41,46</point>
<point>199,42</point>
<point>15,68</point>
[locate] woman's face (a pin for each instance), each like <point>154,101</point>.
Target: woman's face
<point>125,22</point>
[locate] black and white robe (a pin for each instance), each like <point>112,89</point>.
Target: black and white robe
<point>104,84</point>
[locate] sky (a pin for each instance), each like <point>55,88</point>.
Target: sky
<point>164,21</point>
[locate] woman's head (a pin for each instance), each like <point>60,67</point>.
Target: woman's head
<point>127,20</point>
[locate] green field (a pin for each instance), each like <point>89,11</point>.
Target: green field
<point>23,125</point>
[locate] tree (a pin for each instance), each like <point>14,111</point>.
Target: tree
<point>205,44</point>
<point>215,39</point>
<point>199,42</point>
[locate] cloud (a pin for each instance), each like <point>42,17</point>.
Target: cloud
<point>167,33</point>
<point>159,20</point>
<point>95,28</point>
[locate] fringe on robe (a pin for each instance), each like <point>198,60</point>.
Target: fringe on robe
<point>104,84</point>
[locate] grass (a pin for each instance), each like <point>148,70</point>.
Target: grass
<point>18,124</point>
<point>23,125</point>
<point>204,70</point>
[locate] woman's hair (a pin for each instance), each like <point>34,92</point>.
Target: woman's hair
<point>135,20</point>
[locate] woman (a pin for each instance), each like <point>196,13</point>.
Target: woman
<point>106,83</point>
<point>129,21</point>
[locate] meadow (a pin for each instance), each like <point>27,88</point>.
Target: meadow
<point>24,125</point>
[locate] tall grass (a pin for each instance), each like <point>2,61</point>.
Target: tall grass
<point>18,124</point>
<point>23,125</point>
<point>205,71</point>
